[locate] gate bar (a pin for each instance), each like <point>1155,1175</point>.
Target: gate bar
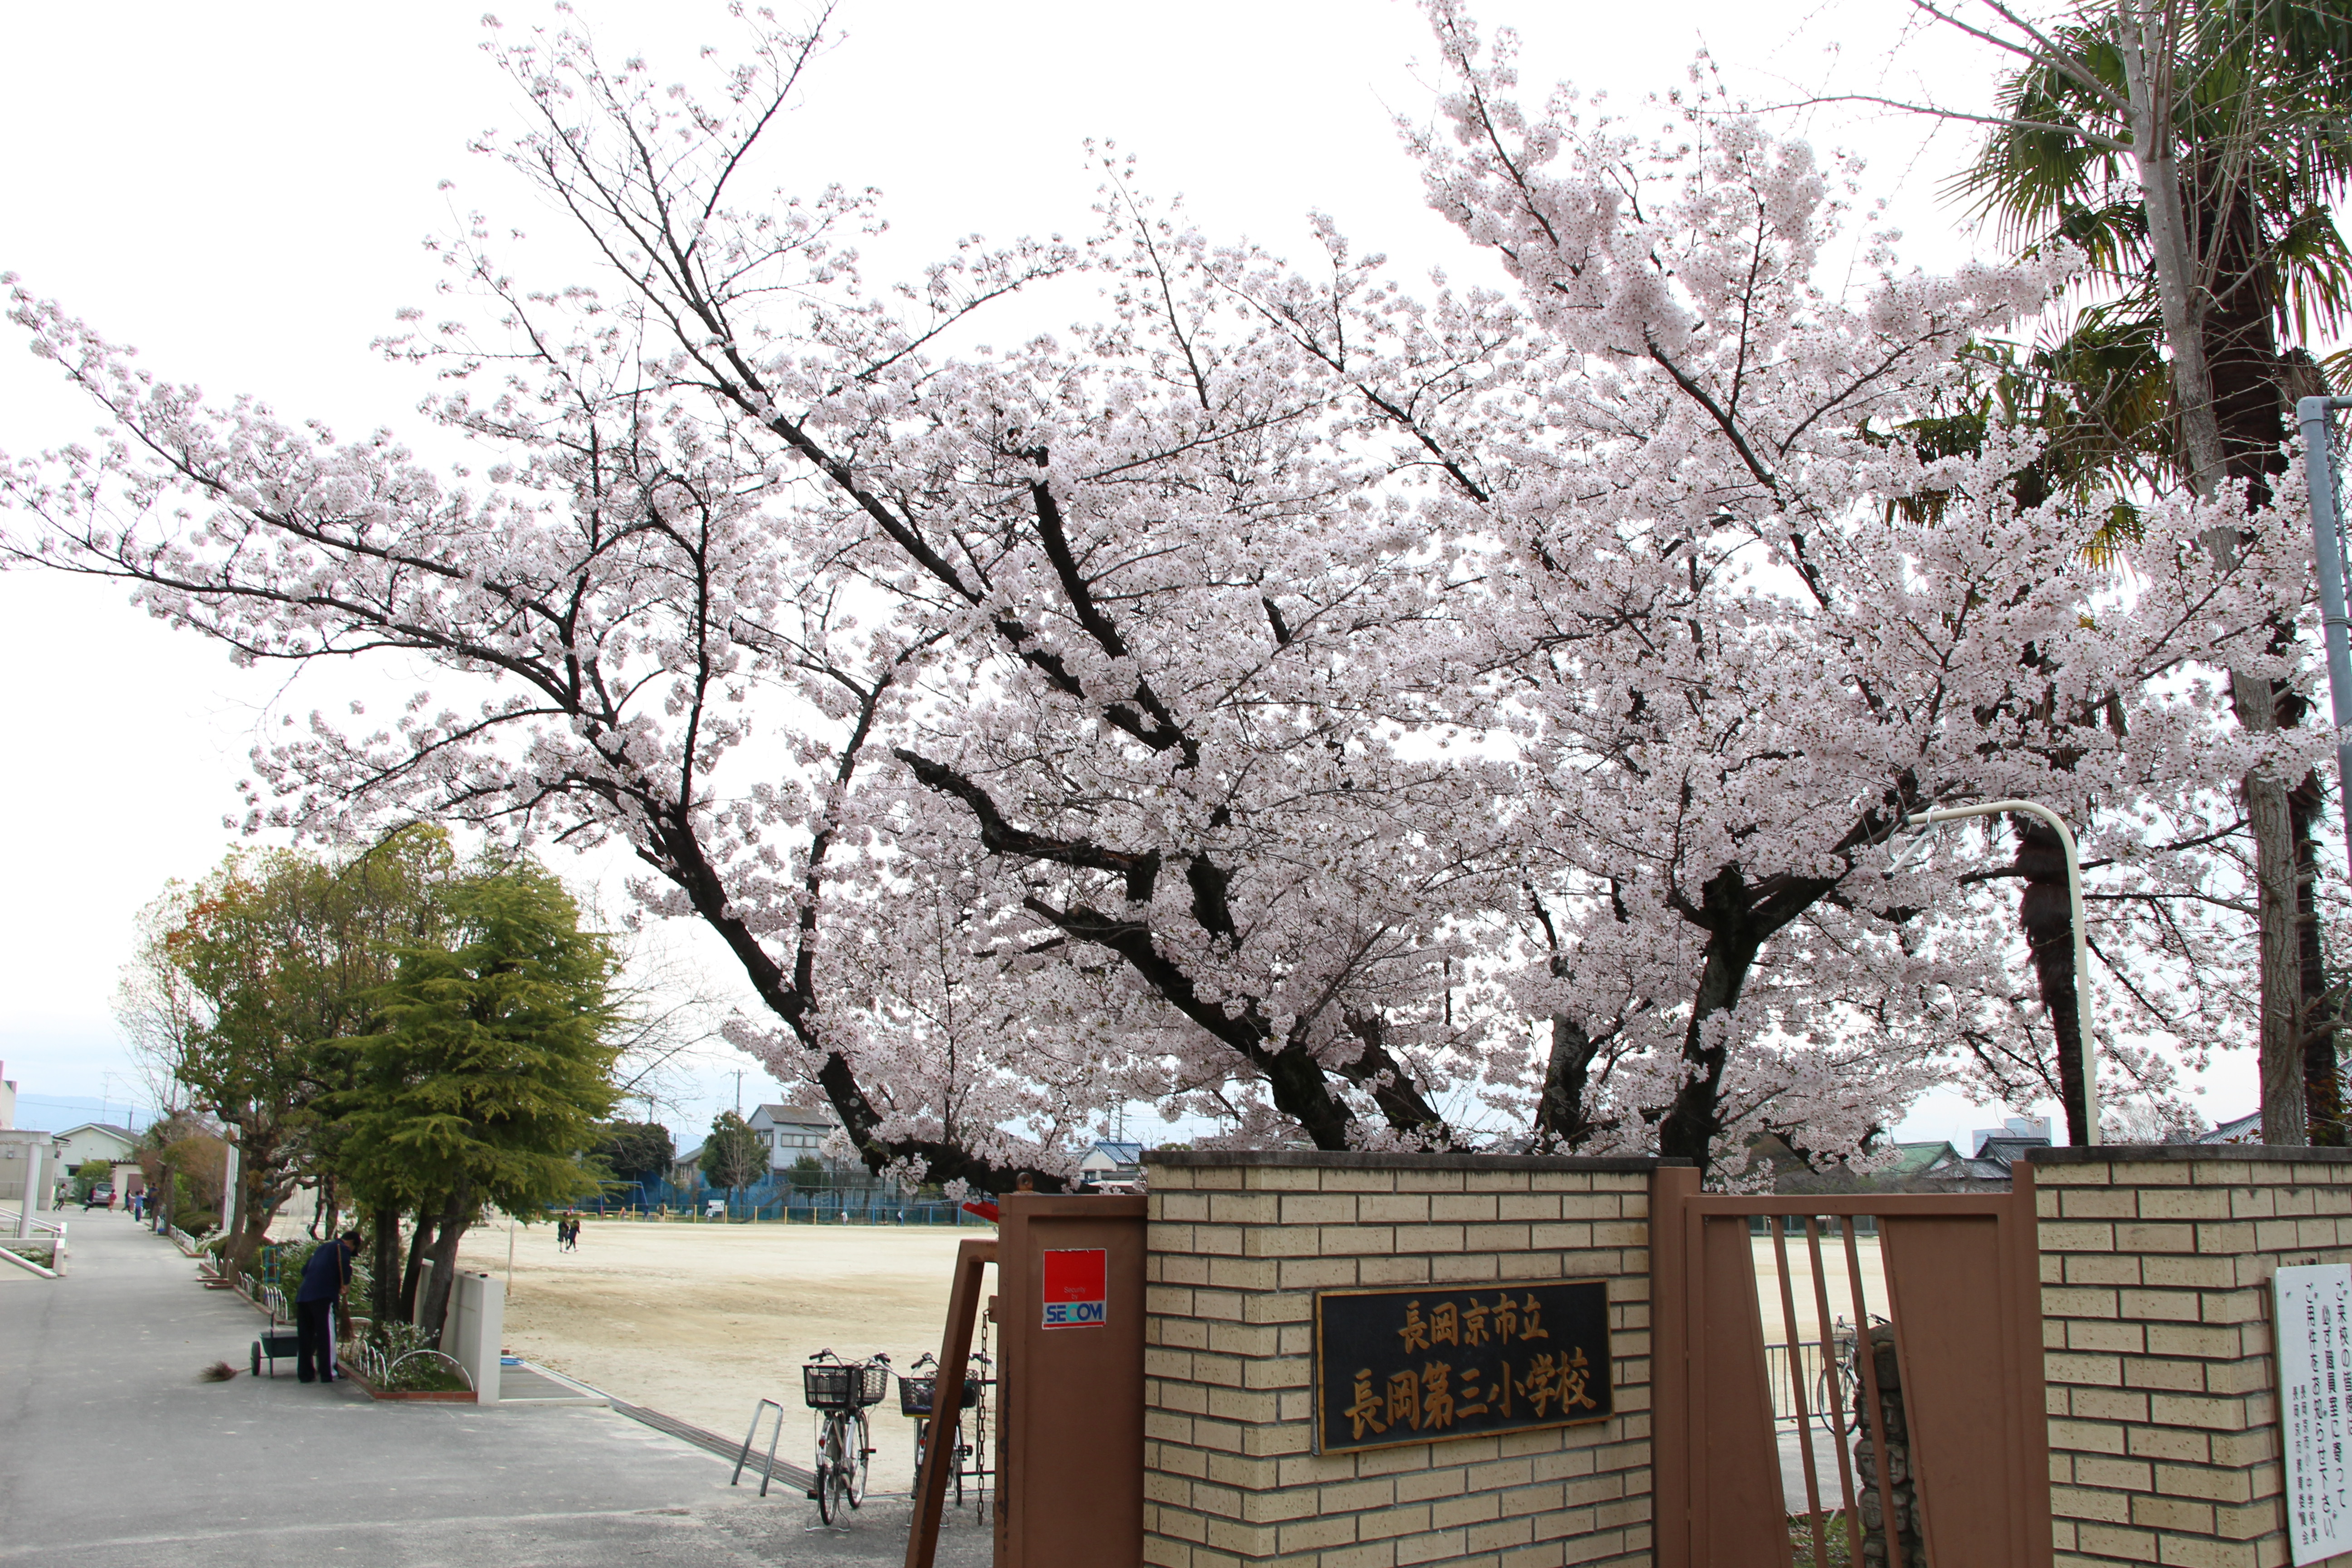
<point>1837,1383</point>
<point>1867,1350</point>
<point>1797,1393</point>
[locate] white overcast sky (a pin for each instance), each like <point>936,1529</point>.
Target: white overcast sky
<point>241,192</point>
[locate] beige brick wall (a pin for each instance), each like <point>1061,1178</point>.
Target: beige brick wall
<point>1239,1244</point>
<point>2156,1272</point>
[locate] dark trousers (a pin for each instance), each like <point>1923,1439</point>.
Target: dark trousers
<point>314,1340</point>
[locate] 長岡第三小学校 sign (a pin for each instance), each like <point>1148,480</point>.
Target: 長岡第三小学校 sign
<point>1423,1364</point>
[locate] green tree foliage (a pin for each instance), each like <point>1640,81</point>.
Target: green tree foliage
<point>732,1156</point>
<point>635,1150</point>
<point>91,1173</point>
<point>492,1070</point>
<point>249,986</point>
<point>809,1173</point>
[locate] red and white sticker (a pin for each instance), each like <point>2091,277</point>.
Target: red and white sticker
<point>1074,1291</point>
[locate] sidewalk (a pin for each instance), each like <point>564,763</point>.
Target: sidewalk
<point>113,1456</point>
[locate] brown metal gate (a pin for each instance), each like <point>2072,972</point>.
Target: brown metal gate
<point>1953,1378</point>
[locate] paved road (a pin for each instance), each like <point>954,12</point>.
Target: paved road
<point>113,1456</point>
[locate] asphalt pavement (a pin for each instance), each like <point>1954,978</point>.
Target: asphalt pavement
<point>113,1454</point>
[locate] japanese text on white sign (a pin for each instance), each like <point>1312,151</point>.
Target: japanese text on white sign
<point>2314,1353</point>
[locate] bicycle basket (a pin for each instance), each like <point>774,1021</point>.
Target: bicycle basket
<point>874,1384</point>
<point>831,1386</point>
<point>914,1394</point>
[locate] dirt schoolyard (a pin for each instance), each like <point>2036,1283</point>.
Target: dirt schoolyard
<point>700,1322</point>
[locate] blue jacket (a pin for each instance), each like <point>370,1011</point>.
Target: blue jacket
<point>324,1277</point>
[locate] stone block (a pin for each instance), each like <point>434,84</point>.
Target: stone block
<point>2068,1435</point>
<point>2185,1202</point>
<point>2078,1236</point>
<point>2156,1306</point>
<point>1527,1205</point>
<point>1414,1268</point>
<point>1283,1178</point>
<point>1417,1181</point>
<point>2188,1514</point>
<point>1319,1208</point>
<point>1358,1181</point>
<point>1356,1241</point>
<point>2095,1202</point>
<point>2165,1236</point>
<point>2097,1335</point>
<point>2114,1474</point>
<point>1394,1208</point>
<point>1305,1274</point>
<point>2207,1482</point>
<point>1244,1208</point>
<point>2079,1302</point>
<point>2199,1273</point>
<point>2177,1444</point>
<point>2211,1341</point>
<point>2158,1372</point>
<point>1462,1208</point>
<point>1281,1241</point>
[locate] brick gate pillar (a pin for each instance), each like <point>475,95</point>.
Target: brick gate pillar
<point>1239,1242</point>
<point>2155,1270</point>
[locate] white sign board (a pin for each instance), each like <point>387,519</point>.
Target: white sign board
<point>2314,1352</point>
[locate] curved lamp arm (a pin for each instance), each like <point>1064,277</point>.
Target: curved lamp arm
<point>2082,937</point>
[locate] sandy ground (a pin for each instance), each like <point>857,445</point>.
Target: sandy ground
<point>700,1322</point>
<point>1800,1284</point>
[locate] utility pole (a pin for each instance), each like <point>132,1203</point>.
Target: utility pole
<point>2315,415</point>
<point>738,1091</point>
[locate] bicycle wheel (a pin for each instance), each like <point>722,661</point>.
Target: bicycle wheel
<point>823,1492</point>
<point>861,1436</point>
<point>956,1452</point>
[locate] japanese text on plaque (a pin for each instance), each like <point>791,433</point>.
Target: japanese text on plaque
<point>1420,1365</point>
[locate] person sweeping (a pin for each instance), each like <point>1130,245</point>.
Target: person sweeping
<point>326,1278</point>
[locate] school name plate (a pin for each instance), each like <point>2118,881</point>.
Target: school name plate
<point>2314,1315</point>
<point>1426,1364</point>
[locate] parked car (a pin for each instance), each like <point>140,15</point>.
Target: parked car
<point>99,1198</point>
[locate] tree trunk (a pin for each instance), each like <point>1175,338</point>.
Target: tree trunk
<point>434,1310</point>
<point>2186,308</point>
<point>2268,818</point>
<point>419,1240</point>
<point>1562,1122</point>
<point>2046,911</point>
<point>384,1305</point>
<point>1691,1125</point>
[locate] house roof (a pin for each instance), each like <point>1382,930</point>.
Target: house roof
<point>1918,1159</point>
<point>793,1116</point>
<point>124,1133</point>
<point>2244,1130</point>
<point>1122,1153</point>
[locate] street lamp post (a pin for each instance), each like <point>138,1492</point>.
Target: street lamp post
<point>2081,937</point>
<point>2326,544</point>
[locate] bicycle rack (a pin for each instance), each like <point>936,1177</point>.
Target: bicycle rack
<point>775,1436</point>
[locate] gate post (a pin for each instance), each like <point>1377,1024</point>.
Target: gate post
<point>1070,1381</point>
<point>1670,1188</point>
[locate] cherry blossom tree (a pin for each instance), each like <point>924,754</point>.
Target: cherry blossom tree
<point>1265,698</point>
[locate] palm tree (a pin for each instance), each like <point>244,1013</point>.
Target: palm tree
<point>2192,151</point>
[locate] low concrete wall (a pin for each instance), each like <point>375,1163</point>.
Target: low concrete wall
<point>2163,1380</point>
<point>1239,1242</point>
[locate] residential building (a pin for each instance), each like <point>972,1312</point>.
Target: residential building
<point>99,1140</point>
<point>1111,1162</point>
<point>793,1133</point>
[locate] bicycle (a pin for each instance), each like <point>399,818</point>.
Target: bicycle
<point>841,1391</point>
<point>918,1399</point>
